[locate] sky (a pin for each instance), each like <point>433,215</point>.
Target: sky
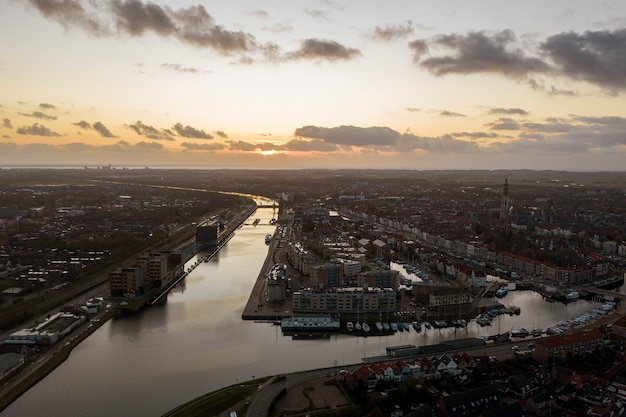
<point>314,84</point>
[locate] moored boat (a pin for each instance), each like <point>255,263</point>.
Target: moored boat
<point>427,325</point>
<point>366,327</point>
<point>350,326</point>
<point>502,291</point>
<point>379,326</point>
<point>417,326</point>
<point>310,324</point>
<point>572,295</point>
<point>386,327</point>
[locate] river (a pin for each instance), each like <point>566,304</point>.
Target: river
<point>194,342</point>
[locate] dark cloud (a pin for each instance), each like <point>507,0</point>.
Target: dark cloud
<point>509,111</point>
<point>180,68</point>
<point>547,127</point>
<point>39,115</point>
<point>97,126</point>
<point>6,123</point>
<point>480,52</point>
<point>393,32</point>
<point>596,57</point>
<point>314,145</point>
<point>380,138</point>
<point>413,109</point>
<point>72,13</point>
<point>192,25</point>
<point>36,130</point>
<point>47,106</point>
<point>221,134</point>
<point>151,132</point>
<point>447,113</point>
<point>83,125</point>
<point>191,132</point>
<point>351,135</point>
<point>323,49</point>
<point>242,146</point>
<point>419,48</point>
<point>505,123</point>
<point>203,146</point>
<point>103,131</point>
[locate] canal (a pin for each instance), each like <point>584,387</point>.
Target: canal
<point>195,341</point>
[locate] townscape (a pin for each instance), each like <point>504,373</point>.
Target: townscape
<point>355,252</point>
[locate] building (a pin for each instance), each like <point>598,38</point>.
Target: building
<point>276,283</point>
<point>561,345</point>
<point>154,267</point>
<point>505,201</point>
<point>449,299</point>
<point>126,282</point>
<point>379,279</point>
<point>329,275</point>
<point>48,332</point>
<point>471,402</point>
<point>350,300</point>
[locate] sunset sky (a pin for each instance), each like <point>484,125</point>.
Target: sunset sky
<point>314,84</point>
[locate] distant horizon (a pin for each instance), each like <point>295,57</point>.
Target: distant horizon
<point>233,167</point>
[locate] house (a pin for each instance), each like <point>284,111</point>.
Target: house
<point>518,386</point>
<point>510,410</point>
<point>561,345</point>
<point>471,402</point>
<point>546,374</point>
<point>542,404</point>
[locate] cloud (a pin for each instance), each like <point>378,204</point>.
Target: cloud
<point>39,115</point>
<point>323,49</point>
<point>280,27</point>
<point>103,131</point>
<point>242,146</point>
<point>47,106</point>
<point>71,13</point>
<point>509,111</point>
<point>596,57</point>
<point>97,126</point>
<point>6,123</point>
<point>505,123</point>
<point>203,146</point>
<point>151,132</point>
<point>381,139</point>
<point>191,132</point>
<point>192,25</point>
<point>180,68</point>
<point>447,113</point>
<point>479,52</point>
<point>475,135</point>
<point>413,109</point>
<point>393,32</point>
<point>36,130</point>
<point>318,14</point>
<point>221,134</point>
<point>83,125</point>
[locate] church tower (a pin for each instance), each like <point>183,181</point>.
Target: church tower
<point>505,202</point>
